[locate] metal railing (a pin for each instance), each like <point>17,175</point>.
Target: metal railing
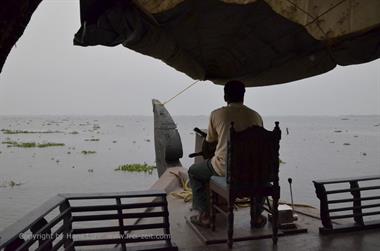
<point>357,209</point>
<point>58,223</point>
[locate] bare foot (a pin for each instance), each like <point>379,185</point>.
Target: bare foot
<point>202,220</point>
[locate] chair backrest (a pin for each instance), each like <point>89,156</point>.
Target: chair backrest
<point>253,156</point>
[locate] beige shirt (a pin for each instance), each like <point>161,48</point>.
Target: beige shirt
<point>219,128</point>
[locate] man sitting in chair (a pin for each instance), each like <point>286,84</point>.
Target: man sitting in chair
<point>217,134</point>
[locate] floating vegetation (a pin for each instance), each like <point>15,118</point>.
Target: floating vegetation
<point>136,168</point>
<point>91,139</point>
<point>8,131</point>
<point>282,162</point>
<point>49,144</point>
<point>88,152</point>
<point>30,144</point>
<point>10,184</point>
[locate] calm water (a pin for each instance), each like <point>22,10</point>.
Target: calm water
<point>315,148</point>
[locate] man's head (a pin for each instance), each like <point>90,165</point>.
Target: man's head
<point>234,91</point>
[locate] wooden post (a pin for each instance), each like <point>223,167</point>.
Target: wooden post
<point>276,198</point>
<point>252,211</point>
<point>166,220</point>
<point>67,238</point>
<point>230,223</point>
<point>356,203</point>
<point>36,227</point>
<point>325,215</point>
<point>121,224</point>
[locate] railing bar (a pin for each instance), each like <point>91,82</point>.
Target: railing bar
<point>59,230</point>
<point>116,241</point>
<point>46,242</point>
<point>135,194</point>
<point>115,216</point>
<point>58,244</point>
<point>353,189</point>
<point>344,180</point>
<point>352,215</point>
<point>54,221</point>
<point>117,229</point>
<point>351,208</point>
<point>56,234</point>
<point>11,233</point>
<point>352,199</point>
<point>50,224</point>
<point>115,207</point>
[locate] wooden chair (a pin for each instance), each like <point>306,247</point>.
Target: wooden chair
<point>252,171</point>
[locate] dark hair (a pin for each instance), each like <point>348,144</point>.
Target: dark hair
<point>234,91</point>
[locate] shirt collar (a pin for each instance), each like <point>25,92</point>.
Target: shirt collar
<point>235,104</point>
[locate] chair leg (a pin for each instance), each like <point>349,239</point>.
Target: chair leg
<point>230,223</point>
<point>253,211</point>
<point>212,209</point>
<point>275,219</point>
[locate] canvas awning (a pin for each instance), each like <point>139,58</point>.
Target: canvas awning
<point>256,41</point>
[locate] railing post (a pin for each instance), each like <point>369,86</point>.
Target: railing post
<point>358,217</point>
<point>121,224</point>
<point>322,196</point>
<point>67,238</point>
<point>41,240</point>
<point>166,220</point>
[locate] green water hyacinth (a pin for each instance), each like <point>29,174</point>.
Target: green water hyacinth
<point>8,131</point>
<point>30,144</point>
<point>136,168</point>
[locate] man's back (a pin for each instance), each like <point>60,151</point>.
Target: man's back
<point>219,125</point>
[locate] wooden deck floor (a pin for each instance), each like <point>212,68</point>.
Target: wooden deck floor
<point>187,239</point>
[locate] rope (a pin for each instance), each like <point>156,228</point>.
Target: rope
<point>188,87</point>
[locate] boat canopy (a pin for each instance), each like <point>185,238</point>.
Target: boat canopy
<point>260,42</point>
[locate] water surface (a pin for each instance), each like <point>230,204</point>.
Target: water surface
<point>315,148</point>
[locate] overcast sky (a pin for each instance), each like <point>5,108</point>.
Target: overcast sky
<point>46,74</point>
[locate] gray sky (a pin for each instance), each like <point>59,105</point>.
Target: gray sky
<point>46,74</point>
